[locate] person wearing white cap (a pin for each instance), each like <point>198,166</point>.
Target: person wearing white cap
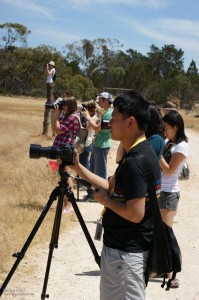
<point>102,143</point>
<point>50,72</point>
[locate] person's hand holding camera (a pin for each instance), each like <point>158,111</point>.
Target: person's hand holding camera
<point>85,113</point>
<point>47,66</point>
<point>100,195</point>
<point>56,106</point>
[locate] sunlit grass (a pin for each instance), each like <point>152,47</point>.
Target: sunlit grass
<point>190,120</point>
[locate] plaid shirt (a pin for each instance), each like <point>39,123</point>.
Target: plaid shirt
<point>69,127</point>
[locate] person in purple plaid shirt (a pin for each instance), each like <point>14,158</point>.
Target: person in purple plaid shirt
<point>66,126</point>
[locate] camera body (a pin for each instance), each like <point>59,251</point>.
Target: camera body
<point>58,103</point>
<point>84,106</point>
<point>105,124</point>
<point>65,152</point>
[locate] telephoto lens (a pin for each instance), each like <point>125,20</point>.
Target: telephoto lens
<point>36,151</point>
<point>65,152</point>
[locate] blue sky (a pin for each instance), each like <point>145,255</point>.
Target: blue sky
<point>134,23</point>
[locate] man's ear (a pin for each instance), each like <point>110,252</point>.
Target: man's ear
<point>131,121</point>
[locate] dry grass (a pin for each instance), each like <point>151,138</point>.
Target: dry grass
<point>189,119</point>
<point>26,184</point>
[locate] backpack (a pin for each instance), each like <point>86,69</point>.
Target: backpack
<point>164,253</point>
<point>184,174</point>
<point>80,140</point>
<point>55,76</point>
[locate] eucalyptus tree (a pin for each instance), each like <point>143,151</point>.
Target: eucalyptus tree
<point>93,56</point>
<point>13,35</point>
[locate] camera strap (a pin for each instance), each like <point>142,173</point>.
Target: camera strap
<point>140,140</point>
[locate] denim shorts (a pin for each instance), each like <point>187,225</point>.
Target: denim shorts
<point>169,200</point>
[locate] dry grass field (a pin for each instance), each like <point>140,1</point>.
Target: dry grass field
<point>26,183</point>
<point>190,120</point>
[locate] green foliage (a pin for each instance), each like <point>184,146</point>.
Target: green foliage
<point>14,33</point>
<point>193,75</point>
<point>81,87</point>
<point>165,62</point>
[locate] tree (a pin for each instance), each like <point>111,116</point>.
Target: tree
<point>81,87</point>
<point>93,56</point>
<point>192,73</point>
<point>192,69</point>
<point>116,76</point>
<point>166,62</point>
<point>137,72</point>
<point>14,34</point>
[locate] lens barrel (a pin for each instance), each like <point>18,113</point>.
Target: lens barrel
<point>36,151</point>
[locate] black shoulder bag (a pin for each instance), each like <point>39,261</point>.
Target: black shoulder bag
<point>164,254</point>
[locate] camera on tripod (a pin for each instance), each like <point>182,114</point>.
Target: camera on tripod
<point>65,152</point>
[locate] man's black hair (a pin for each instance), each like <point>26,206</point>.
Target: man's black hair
<point>134,104</point>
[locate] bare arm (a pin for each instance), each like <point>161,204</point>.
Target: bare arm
<point>131,210</point>
<point>92,122</point>
<point>55,121</point>
<point>88,175</point>
<point>175,161</point>
<point>49,71</point>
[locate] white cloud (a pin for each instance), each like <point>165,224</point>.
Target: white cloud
<point>180,32</point>
<point>31,7</point>
<point>180,26</point>
<point>60,36</point>
<point>147,3</point>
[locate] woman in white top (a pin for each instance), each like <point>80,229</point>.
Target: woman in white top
<point>171,162</point>
<point>50,72</point>
<point>89,114</point>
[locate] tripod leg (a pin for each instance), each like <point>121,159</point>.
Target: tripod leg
<point>20,255</point>
<point>54,242</point>
<point>71,197</point>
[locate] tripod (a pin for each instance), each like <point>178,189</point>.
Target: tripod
<point>60,191</point>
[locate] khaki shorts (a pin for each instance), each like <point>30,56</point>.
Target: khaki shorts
<point>122,275</point>
<point>169,200</point>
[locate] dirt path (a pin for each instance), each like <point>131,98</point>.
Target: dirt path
<point>74,273</point>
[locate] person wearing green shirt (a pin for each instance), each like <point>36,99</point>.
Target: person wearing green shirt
<point>102,143</point>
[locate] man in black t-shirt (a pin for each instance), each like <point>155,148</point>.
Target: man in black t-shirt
<point>127,220</point>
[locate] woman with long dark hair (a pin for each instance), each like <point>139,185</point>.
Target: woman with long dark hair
<point>155,130</point>
<point>171,162</point>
